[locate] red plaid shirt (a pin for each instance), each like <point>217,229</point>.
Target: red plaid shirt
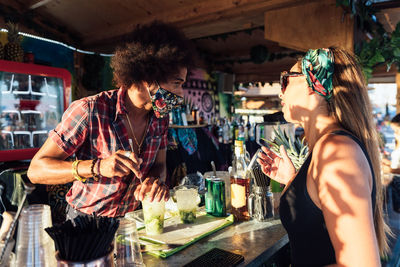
<point>93,127</point>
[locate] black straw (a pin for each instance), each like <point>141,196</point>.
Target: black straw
<point>88,238</point>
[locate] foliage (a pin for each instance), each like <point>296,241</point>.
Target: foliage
<point>382,47</point>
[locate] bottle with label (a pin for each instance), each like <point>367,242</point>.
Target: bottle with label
<point>240,184</point>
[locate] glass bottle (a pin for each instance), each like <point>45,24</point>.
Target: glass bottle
<point>241,133</point>
<point>226,135</point>
<point>220,131</point>
<point>240,184</point>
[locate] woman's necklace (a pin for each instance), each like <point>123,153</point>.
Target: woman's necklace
<point>133,134</point>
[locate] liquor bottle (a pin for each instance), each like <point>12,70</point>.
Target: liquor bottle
<point>240,184</point>
<point>183,116</point>
<point>226,134</point>
<point>241,132</point>
<point>247,129</point>
<point>220,131</point>
<point>252,132</point>
<point>234,129</point>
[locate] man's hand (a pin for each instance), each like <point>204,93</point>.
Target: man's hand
<point>157,190</point>
<point>121,164</point>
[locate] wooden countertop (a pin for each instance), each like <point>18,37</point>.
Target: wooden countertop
<point>256,241</point>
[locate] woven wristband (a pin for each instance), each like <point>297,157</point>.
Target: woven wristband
<point>94,175</point>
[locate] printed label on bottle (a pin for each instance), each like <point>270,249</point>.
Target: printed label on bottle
<point>238,196</point>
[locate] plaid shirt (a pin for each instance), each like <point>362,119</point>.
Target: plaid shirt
<point>93,127</point>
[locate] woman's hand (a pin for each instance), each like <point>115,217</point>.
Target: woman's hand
<point>386,166</point>
<point>121,164</point>
<point>156,188</point>
<point>279,169</point>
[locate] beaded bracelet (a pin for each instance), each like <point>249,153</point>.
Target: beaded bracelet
<point>94,175</point>
<point>98,169</point>
<point>75,173</point>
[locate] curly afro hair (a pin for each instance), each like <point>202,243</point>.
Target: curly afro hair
<point>153,52</point>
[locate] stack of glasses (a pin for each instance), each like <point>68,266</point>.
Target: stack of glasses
<point>34,246</point>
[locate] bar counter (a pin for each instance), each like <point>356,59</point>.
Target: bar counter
<point>256,241</point>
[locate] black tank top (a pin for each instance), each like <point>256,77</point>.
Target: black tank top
<point>304,222</point>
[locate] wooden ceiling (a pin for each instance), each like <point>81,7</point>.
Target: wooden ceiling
<point>100,25</point>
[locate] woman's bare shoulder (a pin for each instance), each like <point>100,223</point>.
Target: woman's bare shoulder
<point>338,154</point>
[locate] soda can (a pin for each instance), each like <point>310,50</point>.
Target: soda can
<point>208,198</point>
<point>218,193</point>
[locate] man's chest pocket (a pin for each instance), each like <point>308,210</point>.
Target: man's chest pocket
<point>152,144</point>
<point>102,148</point>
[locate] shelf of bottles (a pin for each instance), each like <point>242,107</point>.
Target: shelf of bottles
<point>30,106</point>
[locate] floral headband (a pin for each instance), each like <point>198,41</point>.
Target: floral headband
<point>317,66</point>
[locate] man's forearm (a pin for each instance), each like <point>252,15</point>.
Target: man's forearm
<point>55,171</point>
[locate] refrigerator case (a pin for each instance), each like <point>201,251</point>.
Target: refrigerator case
<point>32,101</point>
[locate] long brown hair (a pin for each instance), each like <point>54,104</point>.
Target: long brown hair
<point>351,107</point>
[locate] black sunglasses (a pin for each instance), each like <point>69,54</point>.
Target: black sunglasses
<point>284,80</point>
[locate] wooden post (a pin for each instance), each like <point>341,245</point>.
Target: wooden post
<point>398,93</point>
<point>312,25</point>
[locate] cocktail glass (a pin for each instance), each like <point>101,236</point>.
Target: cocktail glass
<point>187,199</point>
<point>153,213</point>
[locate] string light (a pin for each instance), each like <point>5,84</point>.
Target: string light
<point>58,43</point>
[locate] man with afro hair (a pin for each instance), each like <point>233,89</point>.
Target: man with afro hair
<point>119,137</point>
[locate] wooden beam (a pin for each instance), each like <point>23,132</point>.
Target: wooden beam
<point>319,24</point>
<point>204,12</point>
<point>32,22</point>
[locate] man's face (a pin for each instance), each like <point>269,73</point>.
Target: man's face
<point>174,85</point>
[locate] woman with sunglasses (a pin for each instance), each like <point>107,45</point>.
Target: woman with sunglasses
<point>331,207</point>
<point>119,137</point>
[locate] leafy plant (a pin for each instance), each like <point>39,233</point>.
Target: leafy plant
<point>296,149</point>
<point>382,47</point>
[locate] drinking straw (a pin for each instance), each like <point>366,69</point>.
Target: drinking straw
<point>133,151</point>
<point>88,238</point>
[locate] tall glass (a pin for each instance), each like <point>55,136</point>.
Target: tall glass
<point>127,246</point>
<point>153,213</point>
<point>187,199</point>
<point>34,245</point>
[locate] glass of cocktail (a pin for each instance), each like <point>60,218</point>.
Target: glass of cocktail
<point>153,213</point>
<point>187,199</point>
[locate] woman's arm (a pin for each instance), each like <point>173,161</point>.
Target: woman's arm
<point>344,184</point>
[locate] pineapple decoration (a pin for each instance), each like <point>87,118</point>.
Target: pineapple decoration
<point>13,50</point>
<point>296,149</point>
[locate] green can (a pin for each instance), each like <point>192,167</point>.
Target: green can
<point>218,193</point>
<point>208,198</point>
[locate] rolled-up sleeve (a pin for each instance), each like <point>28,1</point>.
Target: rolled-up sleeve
<point>73,129</point>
